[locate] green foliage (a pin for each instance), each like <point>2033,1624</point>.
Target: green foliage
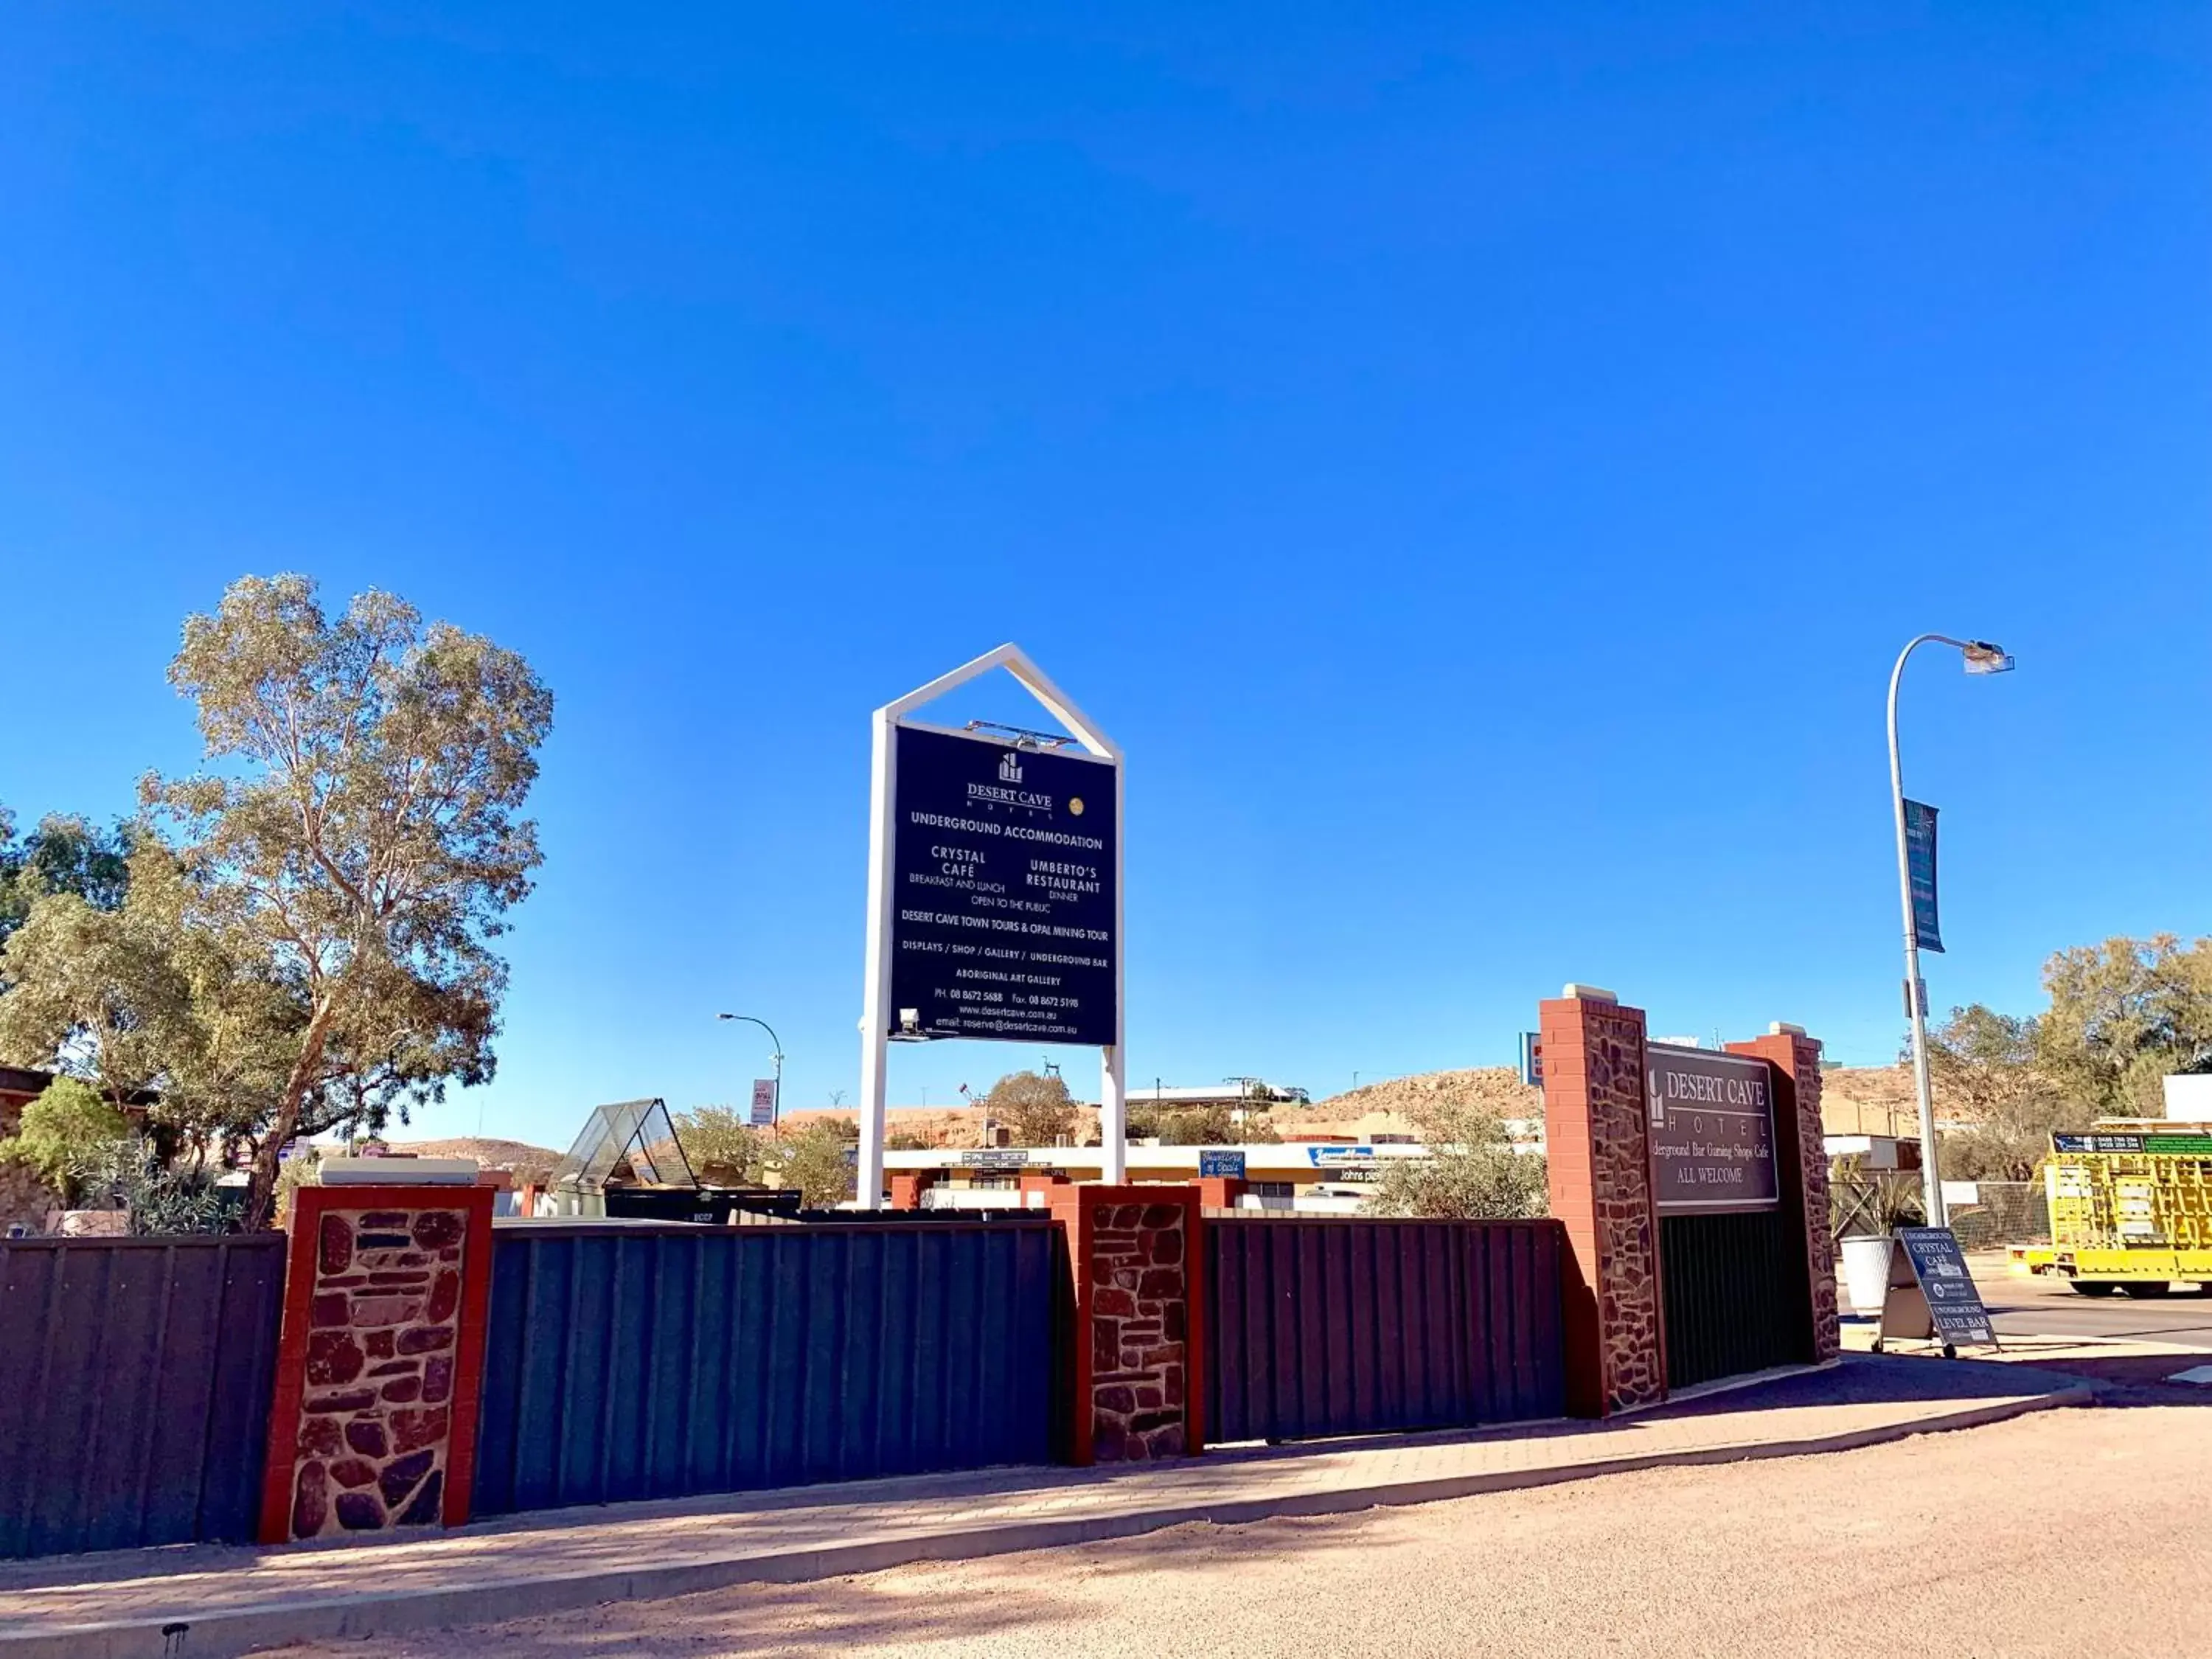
<point>722,1147</point>
<point>179,1201</point>
<point>1471,1173</point>
<point>1036,1110</point>
<point>69,1138</point>
<point>339,878</point>
<point>1200,1125</point>
<point>62,856</point>
<point>812,1159</point>
<point>1988,1067</point>
<point>2123,1015</point>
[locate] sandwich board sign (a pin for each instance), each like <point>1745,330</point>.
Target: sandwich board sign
<point>994,894</point>
<point>1932,1295</point>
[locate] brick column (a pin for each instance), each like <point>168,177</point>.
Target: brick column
<point>906,1189</point>
<point>1135,1305</point>
<point>372,1425</point>
<point>1800,1159</point>
<point>1599,1145</point>
<point>1219,1192</point>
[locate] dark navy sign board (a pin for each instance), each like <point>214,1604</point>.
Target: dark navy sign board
<point>1712,1130</point>
<point>1002,883</point>
<point>1920,874</point>
<point>1221,1163</point>
<point>1954,1311</point>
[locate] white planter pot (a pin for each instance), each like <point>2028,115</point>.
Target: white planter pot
<point>1866,1272</point>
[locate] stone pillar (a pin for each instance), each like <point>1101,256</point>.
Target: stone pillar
<point>372,1425</point>
<point>906,1189</point>
<point>1135,1304</point>
<point>1599,1146</point>
<point>1800,1159</point>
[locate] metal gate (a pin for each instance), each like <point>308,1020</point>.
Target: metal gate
<point>656,1362</point>
<point>1326,1327</point>
<point>1735,1293</point>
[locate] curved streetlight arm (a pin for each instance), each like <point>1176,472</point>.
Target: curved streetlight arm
<point>776,1112</point>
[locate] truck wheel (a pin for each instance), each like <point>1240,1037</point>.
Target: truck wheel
<point>2094,1286</point>
<point>2149,1287</point>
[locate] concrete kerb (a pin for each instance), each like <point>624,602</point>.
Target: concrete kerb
<point>166,1635</point>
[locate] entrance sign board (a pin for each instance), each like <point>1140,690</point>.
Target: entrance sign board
<point>1003,924</point>
<point>1920,874</point>
<point>1712,1130</point>
<point>1012,849</point>
<point>1221,1163</point>
<point>1931,1294</point>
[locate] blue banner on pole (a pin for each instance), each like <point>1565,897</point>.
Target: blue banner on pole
<point>1920,869</point>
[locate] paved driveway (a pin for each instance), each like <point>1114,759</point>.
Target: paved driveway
<point>2062,1533</point>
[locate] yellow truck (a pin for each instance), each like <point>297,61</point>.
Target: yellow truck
<point>2130,1209</point>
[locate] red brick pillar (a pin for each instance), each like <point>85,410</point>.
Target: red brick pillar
<point>1136,1300</point>
<point>907,1188</point>
<point>1800,1159</point>
<point>1599,1146</point>
<point>1219,1192</point>
<point>372,1425</point>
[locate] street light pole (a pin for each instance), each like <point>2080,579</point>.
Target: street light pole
<point>1981,658</point>
<point>775,1111</point>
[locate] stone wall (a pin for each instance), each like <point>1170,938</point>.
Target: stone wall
<point>1132,1254</point>
<point>383,1341</point>
<point>1599,1165</point>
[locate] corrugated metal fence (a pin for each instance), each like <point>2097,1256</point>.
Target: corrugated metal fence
<point>655,1362</point>
<point>135,1376</point>
<point>1326,1327</point>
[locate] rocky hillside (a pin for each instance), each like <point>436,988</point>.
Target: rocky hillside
<point>1392,1106</point>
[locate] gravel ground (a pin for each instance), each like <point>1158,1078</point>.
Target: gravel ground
<point>2064,1533</point>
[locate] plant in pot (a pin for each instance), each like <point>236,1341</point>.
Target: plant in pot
<point>1865,1208</point>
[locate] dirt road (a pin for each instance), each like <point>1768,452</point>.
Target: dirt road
<point>1952,1544</point>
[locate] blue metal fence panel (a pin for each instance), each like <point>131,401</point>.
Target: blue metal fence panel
<point>627,1362</point>
<point>135,1380</point>
<point>1324,1326</point>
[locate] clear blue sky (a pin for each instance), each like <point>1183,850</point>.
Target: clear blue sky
<point>1480,461</point>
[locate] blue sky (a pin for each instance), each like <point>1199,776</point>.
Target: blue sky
<point>1479,461</point>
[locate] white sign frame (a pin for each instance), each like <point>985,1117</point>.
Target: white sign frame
<point>875,1017</point>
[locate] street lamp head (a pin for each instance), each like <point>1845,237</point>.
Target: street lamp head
<point>726,1016</point>
<point>1983,657</point>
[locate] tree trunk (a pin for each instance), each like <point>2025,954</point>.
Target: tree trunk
<point>261,1178</point>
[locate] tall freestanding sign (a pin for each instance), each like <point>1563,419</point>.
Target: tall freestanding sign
<point>994,894</point>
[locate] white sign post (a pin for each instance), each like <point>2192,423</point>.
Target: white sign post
<point>877,1016</point>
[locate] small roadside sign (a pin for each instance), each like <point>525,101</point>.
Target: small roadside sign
<point>1214,1164</point>
<point>1932,1295</point>
<point>1532,1061</point>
